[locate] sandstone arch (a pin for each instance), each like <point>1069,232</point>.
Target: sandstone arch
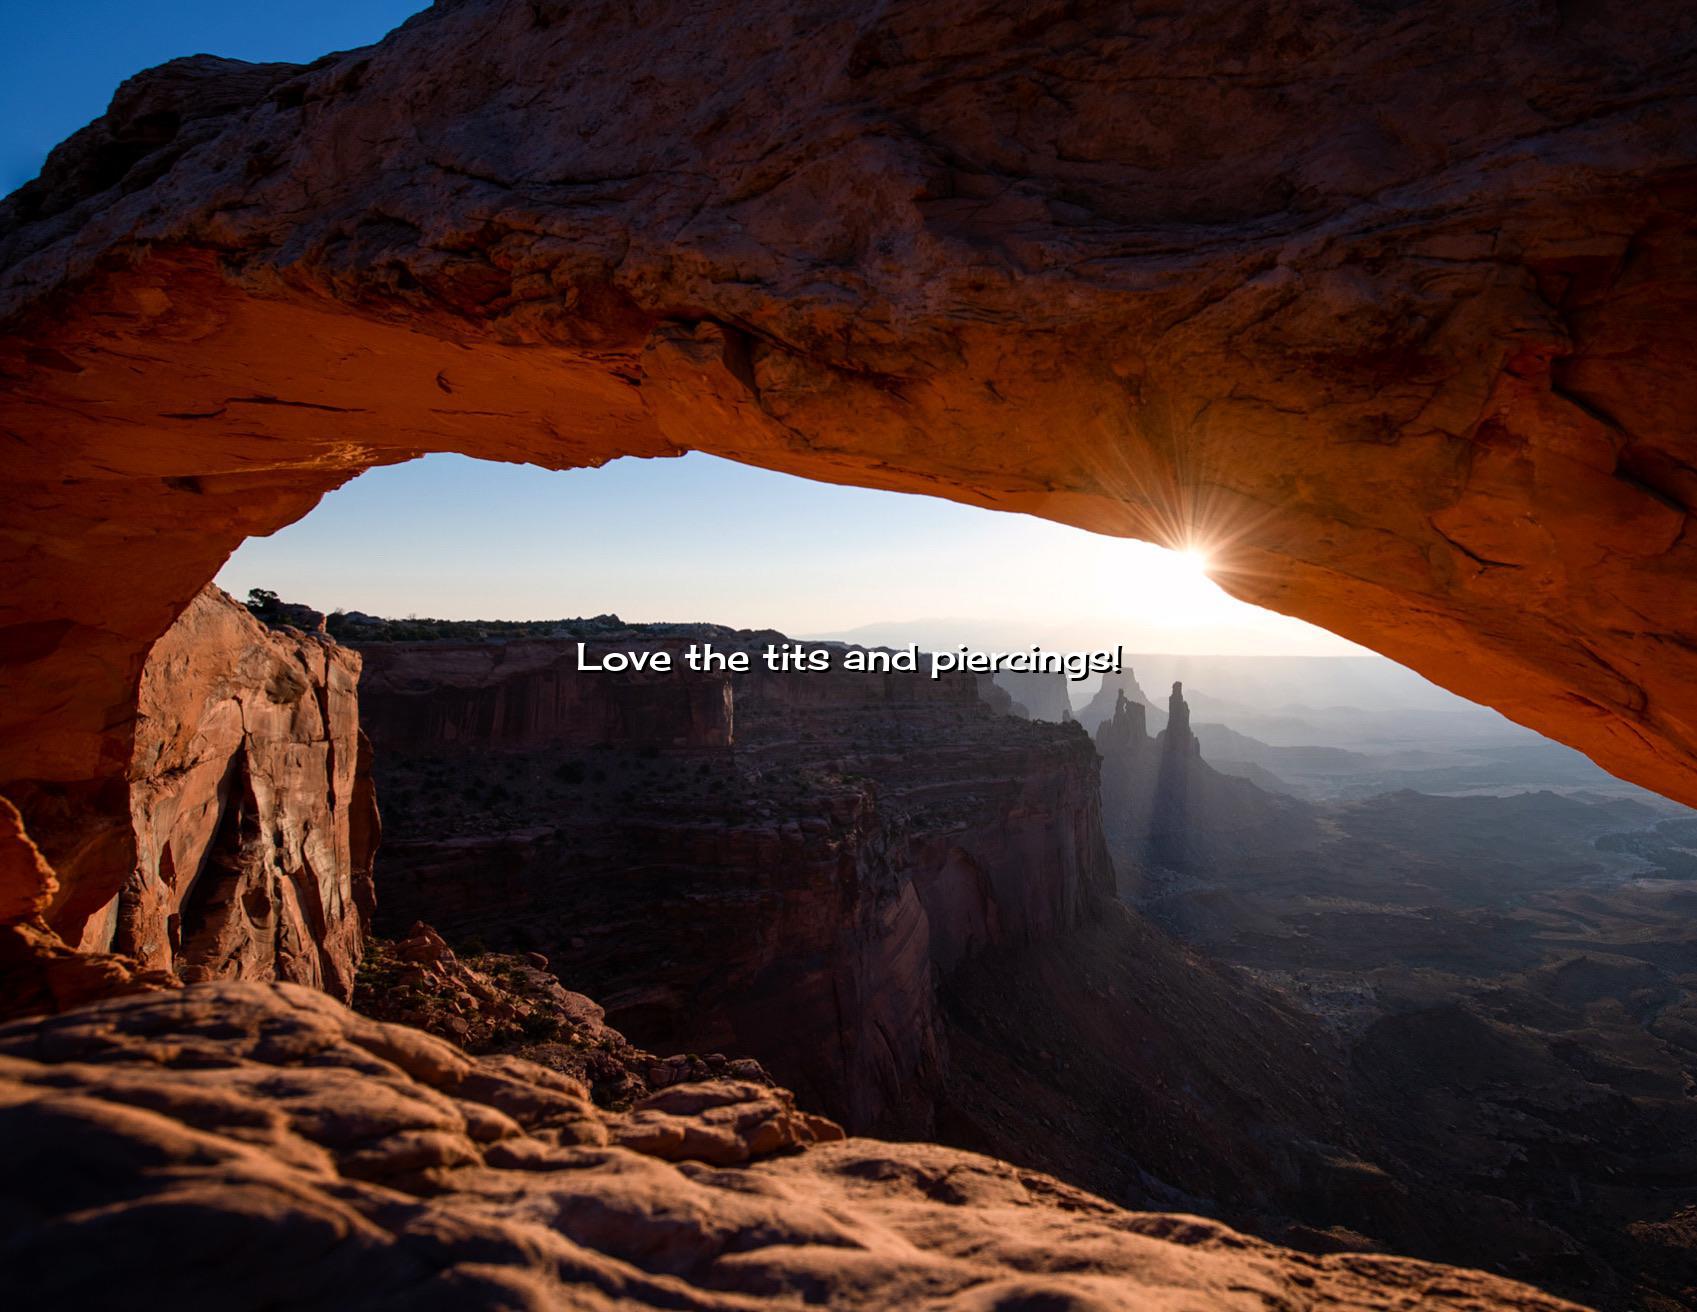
<point>1394,307</point>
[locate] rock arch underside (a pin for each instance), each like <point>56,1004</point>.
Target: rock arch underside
<point>1392,308</point>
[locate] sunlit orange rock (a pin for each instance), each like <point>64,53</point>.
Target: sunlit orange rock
<point>27,882</point>
<point>312,1156</point>
<point>39,971</point>
<point>247,798</point>
<point>249,816</point>
<point>1393,309</point>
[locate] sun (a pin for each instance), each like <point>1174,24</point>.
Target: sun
<point>1194,562</point>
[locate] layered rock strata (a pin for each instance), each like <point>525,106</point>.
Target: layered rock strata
<point>530,694</point>
<point>793,895</point>
<point>300,1154</point>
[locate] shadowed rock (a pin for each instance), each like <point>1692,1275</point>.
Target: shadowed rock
<point>299,1155</point>
<point>793,894</point>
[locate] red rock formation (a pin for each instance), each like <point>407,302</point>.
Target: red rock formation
<point>301,1154</point>
<point>1391,309</point>
<point>250,811</point>
<point>39,971</point>
<point>27,882</point>
<point>491,1002</point>
<point>1163,805</point>
<point>531,694</point>
<point>252,806</point>
<point>793,895</point>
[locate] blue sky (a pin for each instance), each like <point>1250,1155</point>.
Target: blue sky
<point>63,61</point>
<point>695,538</point>
<point>698,538</point>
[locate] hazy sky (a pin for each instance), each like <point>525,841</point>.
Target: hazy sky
<point>704,539</point>
<point>695,538</point>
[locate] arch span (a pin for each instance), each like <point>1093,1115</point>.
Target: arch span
<point>1392,309</point>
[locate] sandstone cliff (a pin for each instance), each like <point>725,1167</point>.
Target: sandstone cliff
<point>252,806</point>
<point>793,894</point>
<point>250,814</point>
<point>530,694</point>
<point>890,893</point>
<point>297,1154</point>
<point>1390,307</point>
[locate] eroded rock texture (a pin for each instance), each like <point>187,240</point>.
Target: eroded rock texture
<point>39,971</point>
<point>492,1002</point>
<point>298,1154</point>
<point>252,806</point>
<point>1391,308</point>
<point>793,892</point>
<point>249,818</point>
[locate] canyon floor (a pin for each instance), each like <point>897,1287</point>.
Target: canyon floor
<point>1451,1026</point>
<point>1514,984</point>
<point>899,996</point>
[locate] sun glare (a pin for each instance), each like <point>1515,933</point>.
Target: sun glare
<point>1193,561</point>
<point>513,543</point>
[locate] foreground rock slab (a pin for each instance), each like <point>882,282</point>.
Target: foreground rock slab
<point>239,1145</point>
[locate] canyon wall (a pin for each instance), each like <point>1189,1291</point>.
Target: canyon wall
<point>793,894</point>
<point>1390,310</point>
<point>250,813</point>
<point>530,694</point>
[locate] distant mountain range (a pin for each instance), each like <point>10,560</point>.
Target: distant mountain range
<point>1318,727</point>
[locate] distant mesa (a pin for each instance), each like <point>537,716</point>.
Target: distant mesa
<point>1041,696</point>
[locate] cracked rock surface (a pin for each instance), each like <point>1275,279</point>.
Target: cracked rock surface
<point>242,1145</point>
